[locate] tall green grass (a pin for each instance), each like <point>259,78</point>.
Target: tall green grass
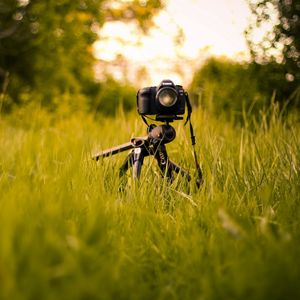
<point>68,232</point>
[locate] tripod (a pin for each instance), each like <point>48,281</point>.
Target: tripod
<point>152,144</point>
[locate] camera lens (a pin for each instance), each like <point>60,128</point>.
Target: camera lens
<point>167,97</point>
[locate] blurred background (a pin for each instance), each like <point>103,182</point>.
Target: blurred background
<point>232,56</point>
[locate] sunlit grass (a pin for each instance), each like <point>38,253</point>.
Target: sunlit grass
<point>68,232</point>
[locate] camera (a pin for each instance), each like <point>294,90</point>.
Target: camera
<point>166,101</point>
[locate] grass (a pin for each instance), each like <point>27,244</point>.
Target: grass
<point>67,232</point>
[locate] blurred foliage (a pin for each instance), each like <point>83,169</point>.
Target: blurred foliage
<point>225,86</point>
<point>222,85</point>
<point>46,48</point>
<point>114,95</point>
<point>140,11</point>
<point>282,17</point>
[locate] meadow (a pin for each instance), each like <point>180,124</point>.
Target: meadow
<point>68,232</point>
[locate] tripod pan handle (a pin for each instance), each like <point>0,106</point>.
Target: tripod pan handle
<point>114,150</point>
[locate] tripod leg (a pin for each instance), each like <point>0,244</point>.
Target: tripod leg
<point>135,159</point>
<point>138,159</point>
<point>167,166</point>
<point>126,164</point>
<point>123,169</point>
<point>180,170</point>
<point>161,155</point>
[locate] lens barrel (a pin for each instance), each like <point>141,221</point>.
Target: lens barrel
<point>167,96</point>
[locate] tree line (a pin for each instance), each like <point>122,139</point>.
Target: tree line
<point>46,56</point>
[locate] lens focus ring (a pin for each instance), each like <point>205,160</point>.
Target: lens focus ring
<point>167,96</point>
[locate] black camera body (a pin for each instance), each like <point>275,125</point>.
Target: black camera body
<point>166,100</point>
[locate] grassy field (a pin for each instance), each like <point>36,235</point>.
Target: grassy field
<point>67,232</point>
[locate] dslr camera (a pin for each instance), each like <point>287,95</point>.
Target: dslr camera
<point>166,101</point>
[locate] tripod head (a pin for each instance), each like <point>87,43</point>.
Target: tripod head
<point>157,135</point>
<point>162,134</point>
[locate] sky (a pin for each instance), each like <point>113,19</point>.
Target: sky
<point>212,27</point>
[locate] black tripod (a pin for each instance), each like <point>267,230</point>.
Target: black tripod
<point>152,144</point>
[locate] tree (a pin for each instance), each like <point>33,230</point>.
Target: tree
<point>281,21</point>
<point>46,46</point>
<point>225,86</point>
<point>45,49</point>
